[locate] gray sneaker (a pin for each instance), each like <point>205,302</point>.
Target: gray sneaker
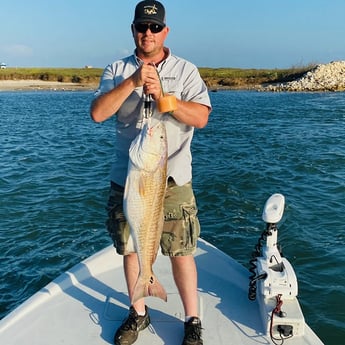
<point>192,332</point>
<point>128,332</point>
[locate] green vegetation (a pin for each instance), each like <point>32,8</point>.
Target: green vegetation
<point>64,75</point>
<point>214,77</point>
<point>247,78</point>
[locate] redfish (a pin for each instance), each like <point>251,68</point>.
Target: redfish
<point>143,203</point>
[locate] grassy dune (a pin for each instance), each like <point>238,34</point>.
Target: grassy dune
<point>63,75</point>
<point>228,78</point>
<point>235,78</point>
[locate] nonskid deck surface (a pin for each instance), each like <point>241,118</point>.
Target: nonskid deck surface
<point>86,305</point>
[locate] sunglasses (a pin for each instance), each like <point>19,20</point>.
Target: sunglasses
<point>143,27</point>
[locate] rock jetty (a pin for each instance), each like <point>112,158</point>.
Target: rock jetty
<point>323,77</point>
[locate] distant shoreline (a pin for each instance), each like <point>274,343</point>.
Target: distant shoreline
<point>27,85</point>
<point>88,78</point>
<point>320,78</point>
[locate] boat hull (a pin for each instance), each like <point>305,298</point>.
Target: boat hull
<point>86,304</point>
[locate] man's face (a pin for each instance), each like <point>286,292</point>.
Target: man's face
<point>149,38</point>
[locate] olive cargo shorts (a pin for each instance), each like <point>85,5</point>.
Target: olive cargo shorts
<point>181,225</point>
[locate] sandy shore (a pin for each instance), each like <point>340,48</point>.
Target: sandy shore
<point>21,85</point>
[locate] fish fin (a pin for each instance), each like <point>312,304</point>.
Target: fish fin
<point>152,287</point>
<point>130,244</point>
<point>141,187</point>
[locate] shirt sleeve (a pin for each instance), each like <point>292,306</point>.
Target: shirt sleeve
<point>107,82</point>
<point>195,89</point>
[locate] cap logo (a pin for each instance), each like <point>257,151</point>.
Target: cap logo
<point>149,10</point>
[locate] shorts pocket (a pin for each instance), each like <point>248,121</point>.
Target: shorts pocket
<point>180,235</point>
<point>191,225</point>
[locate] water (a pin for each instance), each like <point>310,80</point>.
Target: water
<point>54,182</point>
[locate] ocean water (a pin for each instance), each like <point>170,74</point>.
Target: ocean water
<point>54,182</point>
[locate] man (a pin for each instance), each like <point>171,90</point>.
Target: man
<point>124,86</point>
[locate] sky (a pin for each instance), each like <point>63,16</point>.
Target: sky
<point>209,33</point>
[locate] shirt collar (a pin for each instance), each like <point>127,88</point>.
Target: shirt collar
<point>139,62</point>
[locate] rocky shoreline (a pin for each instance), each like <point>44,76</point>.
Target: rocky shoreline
<point>322,78</point>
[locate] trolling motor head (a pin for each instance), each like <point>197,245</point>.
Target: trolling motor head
<point>273,209</point>
<point>272,214</point>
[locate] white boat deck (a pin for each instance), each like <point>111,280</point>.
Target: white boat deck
<point>86,305</point>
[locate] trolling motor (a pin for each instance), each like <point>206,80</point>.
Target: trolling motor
<point>273,281</point>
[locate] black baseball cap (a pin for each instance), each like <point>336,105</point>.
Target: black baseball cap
<point>149,12</point>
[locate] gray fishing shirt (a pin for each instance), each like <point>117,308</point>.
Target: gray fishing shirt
<point>178,77</point>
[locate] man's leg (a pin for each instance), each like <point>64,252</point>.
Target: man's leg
<point>138,318</point>
<point>185,276</point>
<point>131,268</point>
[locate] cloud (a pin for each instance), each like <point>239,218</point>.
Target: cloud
<point>16,50</point>
<point>125,52</point>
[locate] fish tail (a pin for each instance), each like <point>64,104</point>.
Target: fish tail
<point>151,287</point>
<point>156,289</point>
